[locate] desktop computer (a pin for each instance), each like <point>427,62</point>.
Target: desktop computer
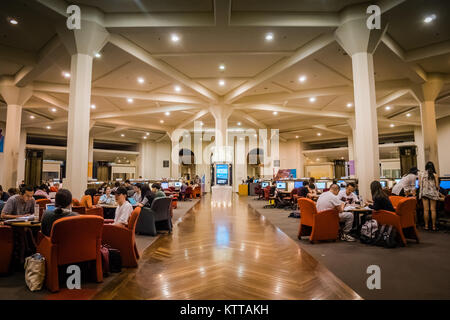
<point>281,185</point>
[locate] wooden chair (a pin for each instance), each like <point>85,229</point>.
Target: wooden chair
<point>318,226</point>
<point>72,240</point>
<point>123,239</point>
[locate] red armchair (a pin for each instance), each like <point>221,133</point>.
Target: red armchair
<point>85,207</point>
<point>395,200</point>
<point>323,225</point>
<point>123,238</point>
<point>72,240</point>
<point>42,202</point>
<point>6,248</point>
<point>403,219</point>
<point>197,193</point>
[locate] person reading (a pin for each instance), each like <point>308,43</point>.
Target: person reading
<point>348,194</point>
<point>19,205</point>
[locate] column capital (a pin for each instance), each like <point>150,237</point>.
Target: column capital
<point>354,36</point>
<point>430,89</point>
<point>221,111</point>
<point>14,95</point>
<point>90,38</point>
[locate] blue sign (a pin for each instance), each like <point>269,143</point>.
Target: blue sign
<point>222,174</point>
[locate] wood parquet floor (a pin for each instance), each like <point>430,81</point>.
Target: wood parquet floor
<point>226,253</point>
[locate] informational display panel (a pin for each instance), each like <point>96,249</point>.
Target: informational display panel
<point>222,174</point>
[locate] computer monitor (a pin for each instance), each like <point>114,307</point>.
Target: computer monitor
<point>132,201</point>
<point>298,184</point>
<point>264,184</point>
<point>281,185</point>
<point>171,184</point>
<point>383,183</point>
<point>50,207</point>
<point>321,185</point>
<point>340,181</point>
<point>255,181</point>
<point>177,184</point>
<point>164,185</point>
<point>417,184</point>
<point>397,180</point>
<point>445,184</point>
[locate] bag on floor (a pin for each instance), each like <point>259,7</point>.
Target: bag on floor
<point>294,214</point>
<point>369,232</point>
<point>114,260</point>
<point>387,237</point>
<point>104,252</point>
<point>35,272</point>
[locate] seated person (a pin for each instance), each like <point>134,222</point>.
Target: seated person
<point>304,192</point>
<point>348,194</point>
<point>19,205</point>
<point>124,208</point>
<point>128,185</point>
<point>156,188</point>
<point>107,197</point>
<point>13,191</point>
<point>63,206</point>
<point>312,187</point>
<point>380,200</point>
<point>41,191</point>
<point>86,201</point>
<point>137,196</point>
<point>55,187</point>
<point>330,200</point>
<point>116,186</point>
<point>273,189</point>
<point>4,196</point>
<point>183,187</point>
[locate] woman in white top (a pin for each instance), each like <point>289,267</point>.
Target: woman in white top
<point>407,185</point>
<point>429,193</point>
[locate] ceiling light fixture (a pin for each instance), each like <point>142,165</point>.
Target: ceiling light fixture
<point>48,127</point>
<point>122,135</point>
<point>222,67</point>
<point>130,100</point>
<point>275,113</point>
<point>175,38</point>
<point>66,74</point>
<point>296,137</point>
<point>221,82</point>
<point>13,21</point>
<point>177,88</point>
<point>32,117</point>
<point>349,105</point>
<point>93,106</point>
<point>392,125</point>
<point>147,133</point>
<point>98,55</point>
<point>302,78</point>
<point>53,109</point>
<point>239,123</point>
<point>319,134</point>
<point>269,36</point>
<point>408,115</point>
<point>312,99</point>
<point>387,108</point>
<point>161,121</point>
<point>429,18</point>
<point>145,137</point>
<point>167,113</point>
<point>140,80</point>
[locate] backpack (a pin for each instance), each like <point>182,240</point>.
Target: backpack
<point>369,232</point>
<point>387,237</point>
<point>111,259</point>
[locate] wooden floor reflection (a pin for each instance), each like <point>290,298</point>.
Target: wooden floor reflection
<point>226,252</point>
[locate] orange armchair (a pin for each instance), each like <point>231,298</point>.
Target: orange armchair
<point>42,202</point>
<point>395,200</point>
<point>72,240</point>
<point>123,238</point>
<point>6,248</point>
<point>85,207</point>
<point>403,219</point>
<point>75,202</point>
<point>96,199</point>
<point>318,226</point>
<point>197,193</point>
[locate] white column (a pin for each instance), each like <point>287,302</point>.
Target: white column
<point>22,156</point>
<point>221,113</point>
<point>175,161</point>
<point>15,98</point>
<point>91,158</point>
<point>78,124</point>
<point>418,139</point>
<point>350,148</point>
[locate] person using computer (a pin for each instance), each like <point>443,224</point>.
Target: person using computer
<point>312,187</point>
<point>124,208</point>
<point>305,192</point>
<point>273,188</point>
<point>63,206</point>
<point>19,205</point>
<point>137,196</point>
<point>329,200</point>
<point>407,184</point>
<point>107,197</point>
<point>348,195</point>
<point>380,200</point>
<point>429,193</point>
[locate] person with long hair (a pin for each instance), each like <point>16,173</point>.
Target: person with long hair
<point>63,206</point>
<point>429,193</point>
<point>380,200</point>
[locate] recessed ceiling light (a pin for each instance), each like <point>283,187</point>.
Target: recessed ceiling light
<point>53,109</point>
<point>147,133</point>
<point>177,88</point>
<point>66,74</point>
<point>122,135</point>
<point>318,159</point>
<point>32,117</point>
<point>349,105</point>
<point>387,108</point>
<point>275,113</point>
<point>48,127</point>
<point>145,137</point>
<point>13,21</point>
<point>296,137</point>
<point>221,82</point>
<point>140,80</point>
<point>269,36</point>
<point>319,134</point>
<point>392,125</point>
<point>167,113</point>
<point>239,123</point>
<point>312,99</point>
<point>222,67</point>
<point>98,55</point>
<point>429,18</point>
<point>174,37</point>
<point>161,121</point>
<point>302,78</point>
<point>408,115</point>
<point>201,123</point>
<point>256,135</point>
<point>130,100</point>
<point>93,106</point>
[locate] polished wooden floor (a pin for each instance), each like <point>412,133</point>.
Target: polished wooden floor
<point>229,252</point>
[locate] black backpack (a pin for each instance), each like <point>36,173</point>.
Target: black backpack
<point>387,237</point>
<point>369,232</point>
<point>111,259</point>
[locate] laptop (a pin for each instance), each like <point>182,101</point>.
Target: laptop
<point>50,207</point>
<point>132,201</point>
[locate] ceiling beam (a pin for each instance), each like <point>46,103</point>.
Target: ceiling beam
<point>428,51</point>
<point>297,110</point>
<point>195,117</point>
<point>391,97</point>
<point>300,54</point>
<point>158,19</point>
<point>161,66</point>
<point>284,19</point>
<point>223,53</point>
<point>249,119</point>
<point>17,56</point>
<point>42,124</point>
<point>324,128</point>
<point>386,5</point>
<point>134,124</point>
<point>52,100</point>
<point>58,6</point>
<point>140,111</point>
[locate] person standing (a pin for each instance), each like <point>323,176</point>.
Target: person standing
<point>429,193</point>
<point>407,185</point>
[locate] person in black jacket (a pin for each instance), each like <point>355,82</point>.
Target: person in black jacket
<point>380,199</point>
<point>63,204</point>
